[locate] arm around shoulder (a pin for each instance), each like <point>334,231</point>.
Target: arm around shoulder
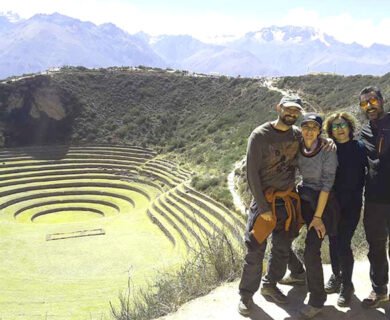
<point>329,168</point>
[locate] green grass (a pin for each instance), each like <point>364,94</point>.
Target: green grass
<point>75,278</point>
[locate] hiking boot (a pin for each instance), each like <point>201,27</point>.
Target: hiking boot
<point>245,306</point>
<point>346,292</point>
<point>333,284</point>
<point>274,294</point>
<point>293,279</point>
<point>374,300</point>
<point>308,311</point>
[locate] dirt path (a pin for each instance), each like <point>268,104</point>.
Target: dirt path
<point>221,304</point>
<point>269,83</point>
<point>231,186</point>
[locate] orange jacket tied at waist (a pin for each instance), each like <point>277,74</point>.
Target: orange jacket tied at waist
<point>263,228</point>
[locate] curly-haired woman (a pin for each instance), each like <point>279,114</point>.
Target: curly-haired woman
<point>348,187</point>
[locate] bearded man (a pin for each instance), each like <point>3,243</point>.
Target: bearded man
<point>271,165</point>
<point>376,138</point>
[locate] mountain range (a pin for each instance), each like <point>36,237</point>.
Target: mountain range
<point>47,41</point>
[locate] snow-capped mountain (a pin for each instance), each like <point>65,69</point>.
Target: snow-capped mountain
<point>288,35</point>
<point>296,50</point>
<point>45,41</point>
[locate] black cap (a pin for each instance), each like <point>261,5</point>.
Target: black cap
<point>312,116</point>
<point>291,101</point>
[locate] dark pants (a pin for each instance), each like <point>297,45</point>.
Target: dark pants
<point>279,257</point>
<point>341,255</point>
<point>294,264</point>
<point>377,226</point>
<point>312,258</point>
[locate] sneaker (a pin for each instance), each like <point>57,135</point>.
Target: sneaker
<point>333,284</point>
<point>245,306</point>
<point>374,300</point>
<point>308,311</point>
<point>293,279</point>
<point>345,296</point>
<point>273,293</point>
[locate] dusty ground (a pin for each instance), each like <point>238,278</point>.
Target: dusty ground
<point>221,304</point>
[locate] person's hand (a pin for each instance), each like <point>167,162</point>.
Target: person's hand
<point>328,144</point>
<point>267,216</point>
<point>319,226</point>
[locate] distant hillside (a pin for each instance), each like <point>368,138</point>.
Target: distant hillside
<point>202,121</point>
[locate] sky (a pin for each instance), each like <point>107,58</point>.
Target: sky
<point>361,21</point>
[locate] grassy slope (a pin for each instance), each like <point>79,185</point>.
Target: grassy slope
<point>202,121</point>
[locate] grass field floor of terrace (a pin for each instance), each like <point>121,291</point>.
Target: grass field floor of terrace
<point>74,219</point>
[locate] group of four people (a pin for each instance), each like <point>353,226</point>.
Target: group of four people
<point>328,200</point>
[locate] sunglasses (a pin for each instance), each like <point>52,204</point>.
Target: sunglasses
<point>341,125</point>
<point>372,101</point>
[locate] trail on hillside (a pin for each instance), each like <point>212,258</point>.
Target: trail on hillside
<point>237,201</point>
<point>269,83</point>
<point>231,185</point>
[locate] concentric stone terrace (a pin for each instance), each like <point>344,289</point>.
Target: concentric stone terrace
<point>68,184</point>
<point>107,208</point>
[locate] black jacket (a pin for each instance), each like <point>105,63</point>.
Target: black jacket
<point>376,139</point>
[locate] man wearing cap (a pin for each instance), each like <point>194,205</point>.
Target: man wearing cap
<point>271,165</point>
<point>376,138</point>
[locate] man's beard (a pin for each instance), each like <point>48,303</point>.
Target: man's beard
<point>288,122</point>
<point>376,116</point>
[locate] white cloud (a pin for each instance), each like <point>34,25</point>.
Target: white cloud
<point>205,25</point>
<point>132,19</point>
<point>90,10</point>
<point>343,27</point>
<point>202,26</point>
